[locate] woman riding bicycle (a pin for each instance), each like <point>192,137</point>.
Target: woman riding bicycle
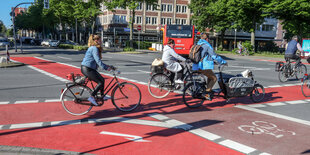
<point>90,63</point>
<point>170,58</point>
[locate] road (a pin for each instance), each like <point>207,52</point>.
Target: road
<point>32,116</point>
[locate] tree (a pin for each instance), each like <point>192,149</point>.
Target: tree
<point>217,15</point>
<point>131,5</point>
<point>249,14</point>
<point>295,15</point>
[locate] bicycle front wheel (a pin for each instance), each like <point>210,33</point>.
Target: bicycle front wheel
<point>74,99</point>
<point>305,87</point>
<point>283,74</point>
<point>126,96</point>
<point>159,85</point>
<point>301,70</point>
<point>258,93</point>
<point>192,95</point>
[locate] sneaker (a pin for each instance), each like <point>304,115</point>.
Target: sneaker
<point>207,97</point>
<point>178,81</point>
<point>92,100</point>
<point>107,97</point>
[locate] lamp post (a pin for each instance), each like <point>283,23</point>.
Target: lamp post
<point>235,38</point>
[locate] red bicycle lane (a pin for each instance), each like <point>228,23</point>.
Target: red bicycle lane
<point>170,106</point>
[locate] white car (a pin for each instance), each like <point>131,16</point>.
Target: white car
<point>4,42</point>
<point>53,43</point>
<point>45,42</point>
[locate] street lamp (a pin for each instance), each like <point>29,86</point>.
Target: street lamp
<point>235,37</point>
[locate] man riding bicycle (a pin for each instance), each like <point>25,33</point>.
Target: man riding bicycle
<point>291,49</point>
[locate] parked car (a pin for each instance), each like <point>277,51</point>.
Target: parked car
<point>54,43</point>
<point>4,42</point>
<point>45,42</point>
<point>68,42</point>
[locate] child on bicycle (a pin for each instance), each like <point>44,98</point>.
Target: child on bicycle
<point>90,63</point>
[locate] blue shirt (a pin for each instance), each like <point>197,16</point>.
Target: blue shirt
<point>207,48</point>
<point>92,59</point>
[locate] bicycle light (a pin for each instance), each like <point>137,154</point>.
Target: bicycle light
<point>69,76</point>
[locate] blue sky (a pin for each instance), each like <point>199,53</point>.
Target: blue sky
<point>5,9</point>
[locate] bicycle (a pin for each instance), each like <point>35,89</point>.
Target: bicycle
<point>305,86</point>
<point>244,52</point>
<point>125,96</point>
<point>161,84</point>
<point>287,71</point>
<point>230,86</point>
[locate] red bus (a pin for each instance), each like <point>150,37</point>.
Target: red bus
<point>183,35</point>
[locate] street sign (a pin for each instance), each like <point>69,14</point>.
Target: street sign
<point>139,27</point>
<point>46,4</point>
<point>127,29</point>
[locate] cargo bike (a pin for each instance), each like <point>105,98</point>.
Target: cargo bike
<point>230,86</point>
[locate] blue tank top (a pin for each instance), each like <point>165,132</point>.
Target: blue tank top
<point>291,47</point>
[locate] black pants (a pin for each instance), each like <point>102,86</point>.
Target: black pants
<point>94,76</point>
<point>293,57</point>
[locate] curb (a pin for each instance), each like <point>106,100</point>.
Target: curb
<point>11,64</point>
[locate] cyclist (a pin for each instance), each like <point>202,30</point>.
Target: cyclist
<point>240,48</point>
<point>90,63</point>
<point>291,49</point>
<point>208,50</point>
<point>170,58</point>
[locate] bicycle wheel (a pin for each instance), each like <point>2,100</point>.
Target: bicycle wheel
<point>159,85</point>
<point>196,76</point>
<point>283,74</point>
<point>126,96</point>
<point>301,70</point>
<point>192,95</point>
<point>258,93</point>
<point>74,99</point>
<point>305,87</point>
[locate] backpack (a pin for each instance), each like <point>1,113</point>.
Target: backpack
<point>194,53</point>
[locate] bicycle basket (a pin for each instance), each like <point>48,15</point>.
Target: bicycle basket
<point>239,86</point>
<point>279,66</point>
<point>157,69</point>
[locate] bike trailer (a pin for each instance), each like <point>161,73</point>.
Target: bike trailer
<point>239,86</point>
<point>279,66</point>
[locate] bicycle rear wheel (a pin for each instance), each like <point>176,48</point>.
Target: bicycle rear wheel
<point>192,95</point>
<point>74,99</point>
<point>258,93</point>
<point>305,87</point>
<point>301,70</point>
<point>126,96</point>
<point>159,85</point>
<point>196,76</point>
<point>284,74</point>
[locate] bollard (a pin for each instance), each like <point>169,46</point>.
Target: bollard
<point>21,45</point>
<point>7,53</point>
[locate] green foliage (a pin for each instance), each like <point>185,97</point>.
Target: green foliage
<point>126,49</point>
<point>247,44</point>
<point>143,44</point>
<point>80,48</point>
<point>65,46</point>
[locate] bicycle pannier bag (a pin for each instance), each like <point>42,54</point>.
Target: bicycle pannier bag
<point>239,86</point>
<point>278,66</point>
<point>157,66</point>
<point>194,53</point>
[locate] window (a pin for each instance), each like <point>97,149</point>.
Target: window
<point>123,19</point>
<point>183,21</point>
<point>257,27</point>
<point>169,8</point>
<point>163,7</point>
<point>154,20</point>
<point>150,7</point>
<point>139,6</point>
<point>178,8</point>
<point>177,21</point>
<point>138,20</point>
<point>267,27</point>
<point>148,20</point>
<point>184,9</point>
<point>163,21</point>
<point>116,19</point>
<point>168,21</point>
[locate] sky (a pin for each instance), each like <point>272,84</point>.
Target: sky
<point>5,9</point>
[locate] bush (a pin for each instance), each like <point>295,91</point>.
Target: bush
<point>126,49</point>
<point>247,44</point>
<point>80,48</point>
<point>65,46</point>
<point>143,44</point>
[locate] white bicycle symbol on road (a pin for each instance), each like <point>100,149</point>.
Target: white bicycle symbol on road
<point>260,127</point>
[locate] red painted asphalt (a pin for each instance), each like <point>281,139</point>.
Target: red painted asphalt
<point>216,117</point>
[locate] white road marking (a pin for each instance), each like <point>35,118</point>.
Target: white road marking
<point>26,125</point>
<point>257,105</point>
<point>29,101</point>
<point>5,102</point>
<point>53,100</point>
<point>129,137</point>
<point>49,74</point>
<point>276,104</point>
<point>296,102</point>
<point>204,134</point>
<point>64,58</point>
<point>237,146</point>
<point>274,114</point>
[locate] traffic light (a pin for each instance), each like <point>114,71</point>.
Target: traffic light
<point>46,4</point>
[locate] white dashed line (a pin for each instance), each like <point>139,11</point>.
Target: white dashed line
<point>30,101</point>
<point>5,102</point>
<point>296,102</point>
<point>276,104</point>
<point>237,146</point>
